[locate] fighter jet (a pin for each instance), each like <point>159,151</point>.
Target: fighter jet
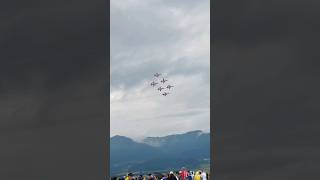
<point>153,83</point>
<point>160,88</point>
<point>165,93</point>
<point>169,86</point>
<point>163,80</point>
<point>157,74</point>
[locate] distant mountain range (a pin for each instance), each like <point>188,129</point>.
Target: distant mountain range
<point>189,150</point>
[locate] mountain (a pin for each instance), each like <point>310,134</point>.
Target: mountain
<point>160,141</point>
<point>159,153</point>
<point>188,144</point>
<point>123,149</point>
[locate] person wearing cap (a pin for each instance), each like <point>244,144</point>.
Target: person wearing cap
<point>192,175</point>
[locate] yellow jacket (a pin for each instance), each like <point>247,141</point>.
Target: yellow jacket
<point>197,176</point>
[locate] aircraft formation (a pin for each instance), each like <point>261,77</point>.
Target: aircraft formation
<point>159,82</point>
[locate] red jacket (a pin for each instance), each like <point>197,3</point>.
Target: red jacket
<point>184,175</point>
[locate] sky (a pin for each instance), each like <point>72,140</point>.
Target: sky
<point>165,36</point>
<point>266,79</point>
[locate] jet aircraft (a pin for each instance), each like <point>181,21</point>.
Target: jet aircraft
<point>165,93</point>
<point>153,83</point>
<point>160,88</point>
<point>163,80</point>
<point>169,86</point>
<point>157,74</point>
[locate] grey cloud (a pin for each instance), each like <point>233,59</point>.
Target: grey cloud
<point>265,89</point>
<point>52,89</point>
<point>147,38</point>
<point>132,76</point>
<point>181,114</point>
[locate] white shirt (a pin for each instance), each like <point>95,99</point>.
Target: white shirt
<point>203,176</point>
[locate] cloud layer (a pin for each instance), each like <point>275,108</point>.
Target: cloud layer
<point>266,89</point>
<point>52,90</point>
<point>159,36</point>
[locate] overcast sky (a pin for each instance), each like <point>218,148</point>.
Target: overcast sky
<point>266,95</point>
<point>52,89</point>
<point>165,36</point>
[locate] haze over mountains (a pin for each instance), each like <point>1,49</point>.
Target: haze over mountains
<point>191,150</point>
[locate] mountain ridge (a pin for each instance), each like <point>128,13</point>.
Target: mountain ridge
<point>166,152</point>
